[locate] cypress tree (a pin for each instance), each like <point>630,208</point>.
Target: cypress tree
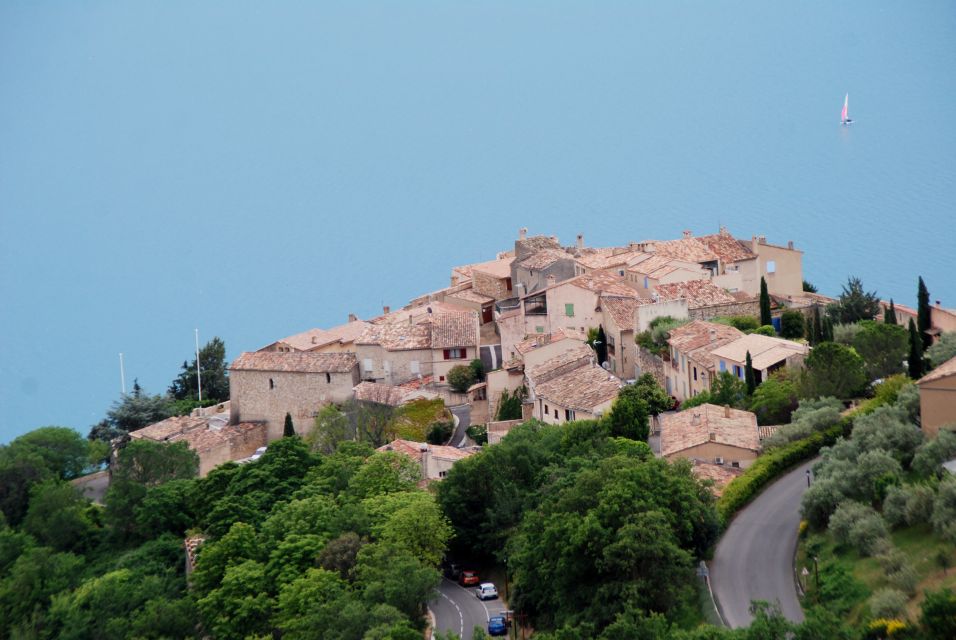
<point>817,327</point>
<point>749,377</point>
<point>288,430</point>
<point>923,323</point>
<point>765,317</point>
<point>915,359</point>
<point>808,329</point>
<point>827,333</point>
<point>600,345</point>
<point>889,314</point>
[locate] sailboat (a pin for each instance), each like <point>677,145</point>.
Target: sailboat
<point>845,118</point>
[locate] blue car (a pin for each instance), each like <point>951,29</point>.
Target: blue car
<point>497,626</point>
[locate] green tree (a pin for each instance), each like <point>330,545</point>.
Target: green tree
<point>747,324</point>
<point>460,378</point>
<point>411,521</point>
<point>915,358</point>
<point>923,314</point>
<point>214,374</point>
<point>288,430</point>
<point>775,399</point>
<point>385,472</point>
<point>749,379</point>
<point>152,463</point>
<point>817,334</point>
<point>657,334</point>
<point>390,575</point>
<point>132,412</point>
<point>943,350</point>
<point>509,405</point>
<point>64,451</point>
<point>58,517</point>
<point>855,304</point>
<point>791,325</point>
<point>889,314</point>
<point>240,606</point>
<point>809,287</point>
<point>629,413</point>
<point>882,347</point>
<point>331,428</point>
<point>653,393</point>
<point>765,317</point>
<point>727,389</point>
<point>833,369</point>
<point>938,617</point>
<point>826,332</point>
<point>478,369</point>
<point>600,345</point>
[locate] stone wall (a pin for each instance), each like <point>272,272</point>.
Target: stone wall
<point>489,285</point>
<point>266,396</point>
<point>650,363</point>
<point>393,367</point>
<point>498,430</point>
<point>750,308</point>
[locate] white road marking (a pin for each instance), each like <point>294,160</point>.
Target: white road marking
<point>461,618</point>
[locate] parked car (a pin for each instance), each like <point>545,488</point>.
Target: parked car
<point>497,626</point>
<point>468,577</point>
<point>486,591</point>
<point>452,570</point>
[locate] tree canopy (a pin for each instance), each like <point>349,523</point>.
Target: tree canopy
<point>214,373</point>
<point>855,304</point>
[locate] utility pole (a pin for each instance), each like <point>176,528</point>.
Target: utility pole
<point>122,375</point>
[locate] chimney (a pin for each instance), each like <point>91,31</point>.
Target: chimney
<point>688,233</point>
<point>713,436</point>
<point>386,309</point>
<point>522,233</point>
<point>762,239</point>
<point>425,453</point>
<point>790,244</point>
<point>580,241</point>
<point>315,339</point>
<point>554,239</point>
<point>551,280</point>
<point>695,419</point>
<point>937,304</point>
<point>352,317</point>
<point>726,410</point>
<point>410,321</point>
<point>723,231</point>
<point>713,334</point>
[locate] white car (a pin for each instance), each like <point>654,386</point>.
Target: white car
<point>486,591</point>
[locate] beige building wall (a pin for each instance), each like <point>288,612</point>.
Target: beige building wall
<point>685,377</point>
<point>647,313</point>
<point>942,319</point>
<point>499,381</point>
<point>710,451</point>
<point>241,445</point>
<point>441,367</point>
<point>266,396</point>
<point>551,413</point>
<point>491,286</point>
<point>584,304</point>
<point>511,330</point>
<point>937,404</point>
<point>787,276</point>
<point>739,276</point>
<point>392,367</point>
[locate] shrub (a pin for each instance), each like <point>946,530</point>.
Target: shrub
<point>839,591</point>
<point>819,501</point>
<point>440,432</point>
<point>894,506</point>
<point>747,324</point>
<point>791,325</point>
<point>845,333</point>
<point>943,350</point>
<point>766,330</point>
<point>460,378</point>
<point>929,457</point>
<point>886,428</point>
<point>478,369</point>
<point>919,504</point>
<point>944,510</point>
<point>888,603</point>
<point>509,404</point>
<point>858,525</point>
<point>775,400</point>
<point>832,369</point>
<point>938,617</point>
<point>478,433</point>
<point>904,578</point>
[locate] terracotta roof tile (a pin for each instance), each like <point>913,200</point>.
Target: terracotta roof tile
<point>700,333</point>
<point>560,364</point>
<point>316,338</point>
<point>607,258</point>
<point>539,340</point>
<point>720,474</point>
<point>500,268</point>
<point>414,450</point>
<point>944,370</point>
<point>199,433</point>
<point>765,351</point>
<point>454,330</point>
<point>622,310</point>
<point>294,361</point>
<point>389,395</point>
<point>544,258</point>
<point>582,388</point>
<point>470,295</point>
<point>708,423</point>
<point>718,246</point>
<point>699,293</point>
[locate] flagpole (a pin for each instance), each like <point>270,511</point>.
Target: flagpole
<point>198,373</point>
<point>122,375</point>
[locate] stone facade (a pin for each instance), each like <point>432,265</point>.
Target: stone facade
<point>747,308</point>
<point>378,364</point>
<point>491,285</point>
<point>647,362</point>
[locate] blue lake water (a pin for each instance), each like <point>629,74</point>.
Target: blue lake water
<point>255,170</point>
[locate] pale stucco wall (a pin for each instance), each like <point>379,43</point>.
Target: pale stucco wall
<point>585,302</point>
<point>647,313</point>
<point>441,367</point>
<point>710,451</point>
<point>579,414</point>
<point>937,404</point>
<point>392,367</point>
<point>787,278</point>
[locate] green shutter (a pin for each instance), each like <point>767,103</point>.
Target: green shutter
<point>569,310</point>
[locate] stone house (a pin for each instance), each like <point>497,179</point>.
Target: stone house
<point>212,438</point>
<point>469,299</point>
<point>690,367</point>
<point>937,398</point>
<point>338,339</point>
<point>265,385</point>
<point>706,301</point>
<point>583,393</point>
<point>435,461</point>
<point>767,354</point>
<point>493,278</point>
<point>710,433</point>
<point>647,270</point>
<point>538,258</point>
<point>454,341</point>
<point>573,304</point>
<point>624,318</point>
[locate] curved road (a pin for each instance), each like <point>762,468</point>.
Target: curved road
<point>457,609</point>
<point>754,559</point>
<point>463,413</point>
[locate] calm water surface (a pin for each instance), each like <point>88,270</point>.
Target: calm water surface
<point>256,170</point>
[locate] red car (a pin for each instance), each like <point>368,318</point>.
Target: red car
<point>468,577</point>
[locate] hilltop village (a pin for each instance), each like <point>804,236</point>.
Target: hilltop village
<point>526,315</point>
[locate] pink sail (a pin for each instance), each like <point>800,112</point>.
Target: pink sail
<point>846,104</point>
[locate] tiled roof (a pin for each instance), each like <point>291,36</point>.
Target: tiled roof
<point>470,295</point>
<point>708,423</point>
<point>388,394</point>
<point>539,340</point>
<point>607,258</point>
<point>699,293</point>
<point>719,246</point>
<point>315,338</point>
<point>544,258</point>
<point>622,310</point>
<point>944,370</point>
<point>414,450</point>
<point>701,333</point>
<point>197,432</point>
<point>599,282</point>
<point>454,330</point>
<point>765,351</point>
<point>560,364</point>
<point>397,335</point>
<point>498,268</point>
<point>540,242</point>
<point>720,474</point>
<point>658,265</point>
<point>294,361</point>
<point>582,388</point>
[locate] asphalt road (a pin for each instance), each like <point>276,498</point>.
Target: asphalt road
<point>463,413</point>
<point>457,609</point>
<point>754,559</point>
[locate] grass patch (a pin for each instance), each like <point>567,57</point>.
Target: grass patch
<point>412,421</point>
<point>847,580</point>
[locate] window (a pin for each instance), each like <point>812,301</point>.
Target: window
<point>620,272</point>
<point>442,474</point>
<point>738,371</point>
<point>723,365</point>
<point>695,373</point>
<point>539,329</point>
<point>441,378</point>
<point>546,409</point>
<point>645,283</point>
<point>328,378</point>
<point>771,266</point>
<point>272,385</point>
<point>568,415</point>
<point>683,363</point>
<point>611,346</point>
<point>367,364</point>
<point>569,310</point>
<point>536,305</point>
<point>555,414</point>
<point>457,353</point>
